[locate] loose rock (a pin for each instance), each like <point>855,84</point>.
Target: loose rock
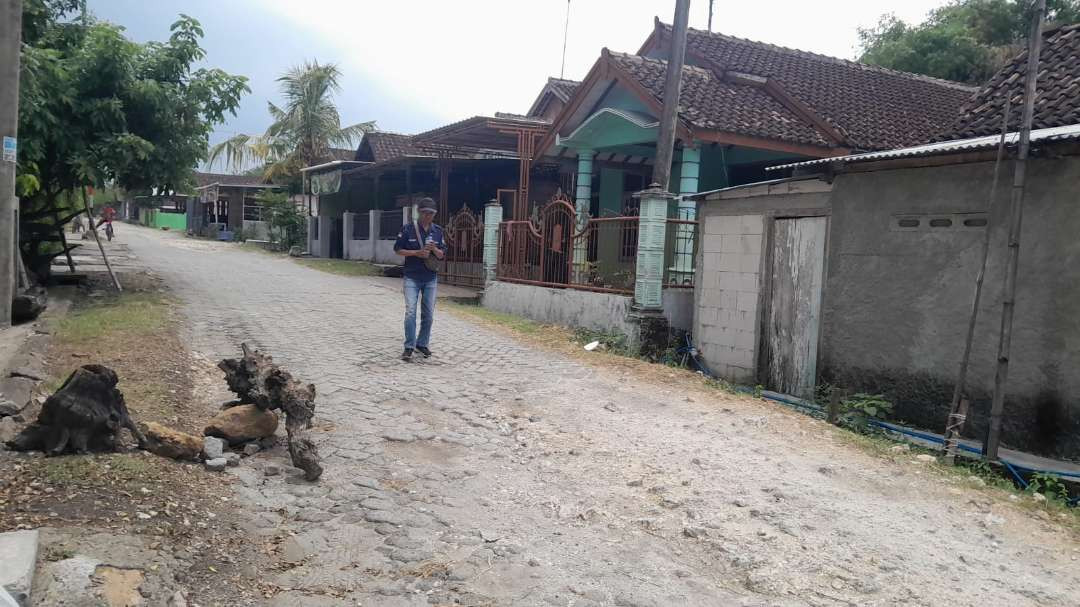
<point>242,423</point>
<point>213,447</point>
<point>252,449</point>
<point>216,465</point>
<point>170,443</point>
<point>8,430</point>
<point>8,407</point>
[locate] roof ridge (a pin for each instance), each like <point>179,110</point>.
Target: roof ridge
<point>554,79</point>
<point>830,59</point>
<point>686,67</point>
<point>382,132</point>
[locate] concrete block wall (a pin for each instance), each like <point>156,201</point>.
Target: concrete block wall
<point>726,301</point>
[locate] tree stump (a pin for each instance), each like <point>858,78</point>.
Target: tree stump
<point>255,379</point>
<point>85,415</point>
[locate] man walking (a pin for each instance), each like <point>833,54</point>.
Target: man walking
<point>421,244</point>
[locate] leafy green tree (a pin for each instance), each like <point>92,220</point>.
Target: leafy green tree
<point>97,108</point>
<point>965,40</point>
<point>287,223</point>
<point>303,130</point>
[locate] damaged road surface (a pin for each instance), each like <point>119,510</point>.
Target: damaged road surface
<point>494,474</point>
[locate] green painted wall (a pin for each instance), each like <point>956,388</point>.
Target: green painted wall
<point>173,221</point>
<point>619,97</point>
<point>712,175</point>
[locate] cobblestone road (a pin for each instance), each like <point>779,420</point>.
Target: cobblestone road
<point>498,474</point>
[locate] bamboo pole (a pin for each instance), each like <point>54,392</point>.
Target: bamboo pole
<point>955,429</point>
<point>101,247</point>
<point>1008,304</point>
<point>961,377</point>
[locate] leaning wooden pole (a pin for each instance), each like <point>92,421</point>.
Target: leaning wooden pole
<point>101,247</point>
<point>956,420</point>
<point>1008,304</point>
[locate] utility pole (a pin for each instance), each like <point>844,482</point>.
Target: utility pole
<point>10,43</point>
<point>1008,304</point>
<point>665,143</point>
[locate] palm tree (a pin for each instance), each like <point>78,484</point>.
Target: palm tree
<point>303,130</point>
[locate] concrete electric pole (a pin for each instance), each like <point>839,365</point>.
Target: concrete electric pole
<point>665,143</point>
<point>10,42</point>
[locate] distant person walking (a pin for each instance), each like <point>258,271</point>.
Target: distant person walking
<point>421,244</point>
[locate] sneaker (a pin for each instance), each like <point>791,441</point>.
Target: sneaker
<point>407,354</point>
<point>424,351</point>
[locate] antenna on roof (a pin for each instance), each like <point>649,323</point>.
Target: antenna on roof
<point>566,31</point>
<point>710,14</point>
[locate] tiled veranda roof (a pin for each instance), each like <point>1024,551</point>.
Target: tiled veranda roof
<point>711,103</point>
<point>1058,99</point>
<point>388,146</point>
<point>874,107</point>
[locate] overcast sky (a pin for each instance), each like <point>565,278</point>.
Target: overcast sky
<point>412,65</point>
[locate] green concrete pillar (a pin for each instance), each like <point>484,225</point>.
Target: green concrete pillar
<point>492,218</point>
<point>582,202</point>
<point>583,196</point>
<point>652,230</point>
<point>688,180</point>
<point>682,263</point>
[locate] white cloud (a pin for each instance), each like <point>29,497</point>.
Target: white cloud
<point>454,59</point>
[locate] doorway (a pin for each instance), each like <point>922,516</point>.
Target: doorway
<point>794,315</point>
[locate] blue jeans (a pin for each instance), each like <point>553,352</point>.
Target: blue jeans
<point>425,291</point>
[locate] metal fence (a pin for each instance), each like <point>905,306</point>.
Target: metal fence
<point>556,251</point>
<point>361,226</point>
<point>389,224</point>
<point>680,253</point>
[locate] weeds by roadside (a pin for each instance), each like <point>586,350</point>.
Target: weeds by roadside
<point>341,267</point>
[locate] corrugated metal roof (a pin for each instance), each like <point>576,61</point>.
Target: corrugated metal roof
<point>1058,133</point>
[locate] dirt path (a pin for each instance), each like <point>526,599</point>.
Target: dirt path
<point>501,474</point>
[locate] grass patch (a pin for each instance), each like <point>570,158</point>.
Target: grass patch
<point>81,470</point>
<point>135,314</point>
<point>342,267</point>
<point>257,248</point>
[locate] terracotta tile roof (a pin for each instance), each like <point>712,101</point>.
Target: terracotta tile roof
<point>712,103</point>
<point>342,154</point>
<point>562,88</point>
<point>557,88</point>
<point>225,179</point>
<point>877,108</point>
<point>1058,99</point>
<point>381,146</point>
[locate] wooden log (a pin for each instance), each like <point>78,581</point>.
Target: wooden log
<point>85,415</point>
<point>255,379</point>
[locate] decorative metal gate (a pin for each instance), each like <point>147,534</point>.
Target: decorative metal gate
<point>464,265</point>
<point>556,251</point>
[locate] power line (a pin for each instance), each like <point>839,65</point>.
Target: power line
<point>566,32</point>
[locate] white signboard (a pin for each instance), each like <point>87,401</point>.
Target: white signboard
<point>10,149</point>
